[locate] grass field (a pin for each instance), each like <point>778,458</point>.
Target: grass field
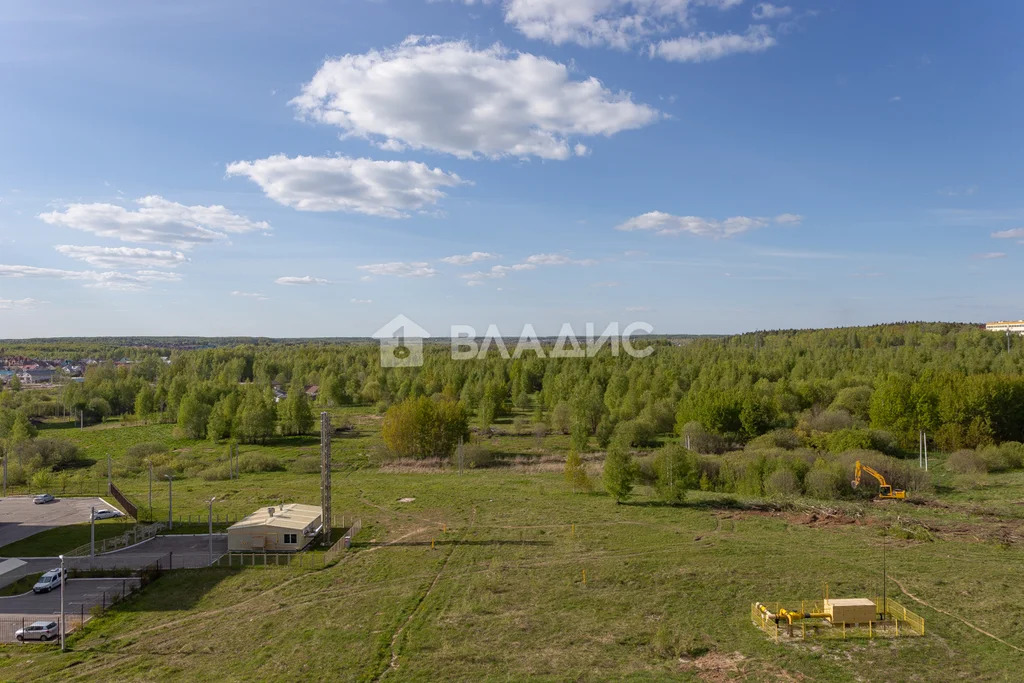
<point>22,585</point>
<point>501,595</point>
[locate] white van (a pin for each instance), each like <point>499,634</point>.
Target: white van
<point>48,581</point>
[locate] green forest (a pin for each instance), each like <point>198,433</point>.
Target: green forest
<point>783,411</point>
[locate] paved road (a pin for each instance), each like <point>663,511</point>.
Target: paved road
<point>21,518</point>
<point>80,596</point>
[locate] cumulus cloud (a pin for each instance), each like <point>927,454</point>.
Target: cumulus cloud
<point>116,257</point>
<point>377,188</point>
<point>466,259</point>
<point>158,221</point>
<point>400,269</point>
<point>704,47</point>
<point>290,280</point>
<point>451,97</point>
<point>139,280</point>
<point>662,223</point>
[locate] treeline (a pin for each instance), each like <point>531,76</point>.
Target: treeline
<point>870,388</point>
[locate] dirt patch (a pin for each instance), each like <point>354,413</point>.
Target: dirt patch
<point>817,518</point>
<point>714,666</point>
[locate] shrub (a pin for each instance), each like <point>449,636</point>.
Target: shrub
<point>777,438</point>
<point>782,482</point>
<point>966,462</point>
<point>306,464</point>
<point>46,453</point>
<point>217,473</point>
<point>259,462</point>
<point>828,421</point>
<point>701,440</point>
<point>476,455</point>
<point>825,480</point>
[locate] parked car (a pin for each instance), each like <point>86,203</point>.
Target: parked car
<point>48,581</point>
<point>107,514</point>
<point>38,630</point>
<point>43,498</point>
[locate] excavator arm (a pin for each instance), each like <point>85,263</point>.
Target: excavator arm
<point>884,489</point>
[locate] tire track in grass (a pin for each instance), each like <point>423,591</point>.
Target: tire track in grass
<point>393,664</point>
<point>955,616</point>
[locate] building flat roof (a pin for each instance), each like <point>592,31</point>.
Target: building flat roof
<point>1006,322</point>
<point>851,602</point>
<point>288,516</point>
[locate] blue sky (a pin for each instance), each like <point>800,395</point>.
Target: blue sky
<point>315,168</point>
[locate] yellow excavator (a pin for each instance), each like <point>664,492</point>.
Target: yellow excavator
<point>885,491</point>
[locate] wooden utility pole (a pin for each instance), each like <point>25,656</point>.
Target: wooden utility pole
<point>325,476</point>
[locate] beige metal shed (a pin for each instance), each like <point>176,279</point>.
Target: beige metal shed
<point>283,528</point>
<point>851,611</point>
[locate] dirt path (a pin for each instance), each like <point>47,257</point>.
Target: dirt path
<point>955,616</point>
<point>393,664</point>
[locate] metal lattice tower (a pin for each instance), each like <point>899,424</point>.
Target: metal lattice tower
<point>325,476</point>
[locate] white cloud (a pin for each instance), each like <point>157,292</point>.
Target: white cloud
<point>610,283</point>
<point>361,301</point>
<point>557,260</point>
<point>259,296</point>
<point>466,259</point>
<point>1015,233</point>
<point>158,221</point>
<point>530,263</point>
<point>615,23</point>
<point>895,98</point>
<point>766,10</point>
<point>11,304</point>
<point>115,257</point>
<point>662,223</point>
<point>789,219</point>
<point>290,280</point>
<point>139,280</point>
<point>637,309</point>
<point>453,98</point>
<point>377,188</point>
<point>704,47</point>
<point>400,269</point>
<point>990,255</point>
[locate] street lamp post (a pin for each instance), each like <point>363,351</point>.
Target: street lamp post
<point>62,629</point>
<point>92,532</point>
<point>170,502</point>
<point>210,521</point>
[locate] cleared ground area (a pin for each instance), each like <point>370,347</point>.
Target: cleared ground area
<point>80,596</point>
<point>21,518</point>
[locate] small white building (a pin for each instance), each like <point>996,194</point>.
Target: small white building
<point>284,528</point>
<point>1012,326</point>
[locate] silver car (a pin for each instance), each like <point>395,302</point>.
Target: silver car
<point>38,630</point>
<point>43,498</point>
<point>107,514</point>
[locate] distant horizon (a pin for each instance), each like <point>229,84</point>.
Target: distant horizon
<point>444,339</point>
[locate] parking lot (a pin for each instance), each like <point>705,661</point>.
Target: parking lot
<point>21,518</point>
<point>80,596</point>
<point>171,552</point>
